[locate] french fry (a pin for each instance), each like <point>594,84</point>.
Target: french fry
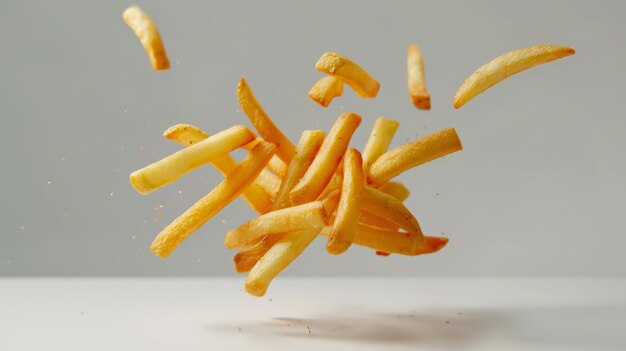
<point>193,218</point>
<point>505,66</point>
<point>373,220</point>
<point>255,196</point>
<point>307,148</point>
<point>382,133</point>
<point>345,224</point>
<point>395,189</point>
<point>348,72</point>
<point>380,204</point>
<point>262,121</point>
<point>394,242</point>
<point>279,256</point>
<point>413,154</point>
<point>276,165</point>
<point>325,90</point>
<point>146,30</point>
<point>168,169</point>
<point>415,78</point>
<point>270,182</point>
<point>308,216</point>
<point>246,259</point>
<point>327,160</point>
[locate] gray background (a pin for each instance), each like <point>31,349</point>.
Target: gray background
<point>538,190</point>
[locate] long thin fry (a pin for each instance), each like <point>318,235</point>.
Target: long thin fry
<point>308,216</point>
<point>146,30</point>
<point>255,196</point>
<point>413,154</point>
<point>193,218</point>
<point>395,189</point>
<point>348,72</point>
<point>380,204</point>
<point>262,122</point>
<point>505,66</point>
<point>345,224</point>
<point>327,159</point>
<point>415,78</point>
<point>325,90</point>
<point>380,138</point>
<point>287,249</point>
<point>174,166</point>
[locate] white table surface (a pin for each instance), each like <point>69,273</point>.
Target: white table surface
<point>313,314</point>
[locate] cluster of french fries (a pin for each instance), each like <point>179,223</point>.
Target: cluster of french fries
<point>320,186</point>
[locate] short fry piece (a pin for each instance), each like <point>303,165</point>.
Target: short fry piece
<point>308,216</point>
<point>327,159</point>
<point>193,218</point>
<point>348,72</point>
<point>308,146</point>
<point>146,30</point>
<point>413,154</point>
<point>279,256</point>
<point>415,78</point>
<point>255,196</point>
<point>380,204</point>
<point>394,242</point>
<point>325,90</point>
<point>505,66</point>
<point>395,189</point>
<point>167,170</point>
<point>380,138</point>
<point>262,122</point>
<point>345,224</point>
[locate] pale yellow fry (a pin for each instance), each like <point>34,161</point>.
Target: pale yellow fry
<point>279,256</point>
<point>380,204</point>
<point>248,257</point>
<point>345,224</point>
<point>255,196</point>
<point>348,72</point>
<point>307,148</point>
<point>380,138</point>
<point>395,189</point>
<point>415,78</point>
<point>167,170</point>
<point>394,242</point>
<point>262,122</point>
<point>308,216</point>
<point>327,159</point>
<point>325,90</point>
<point>413,154</point>
<point>275,165</point>
<point>146,30</point>
<point>193,218</point>
<point>505,66</point>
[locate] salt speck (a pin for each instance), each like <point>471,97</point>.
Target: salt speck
<point>111,194</point>
<point>180,192</point>
<point>22,227</point>
<point>134,237</point>
<point>49,182</point>
<point>223,221</point>
<point>178,62</point>
<point>62,158</point>
<point>122,148</point>
<point>140,147</point>
<point>9,261</point>
<point>199,261</point>
<point>66,215</point>
<point>124,112</point>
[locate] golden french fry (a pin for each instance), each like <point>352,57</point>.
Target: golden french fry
<point>413,154</point>
<point>167,170</point>
<point>380,204</point>
<point>345,224</point>
<point>262,122</point>
<point>270,182</point>
<point>395,189</point>
<point>325,90</point>
<point>308,216</point>
<point>255,196</point>
<point>415,78</point>
<point>505,66</point>
<point>275,165</point>
<point>193,218</point>
<point>394,242</point>
<point>373,220</point>
<point>327,159</point>
<point>348,72</point>
<point>382,133</point>
<point>307,148</point>
<point>146,30</point>
<point>248,257</point>
<point>279,256</point>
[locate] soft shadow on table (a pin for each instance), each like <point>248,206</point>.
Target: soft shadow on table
<point>447,328</point>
